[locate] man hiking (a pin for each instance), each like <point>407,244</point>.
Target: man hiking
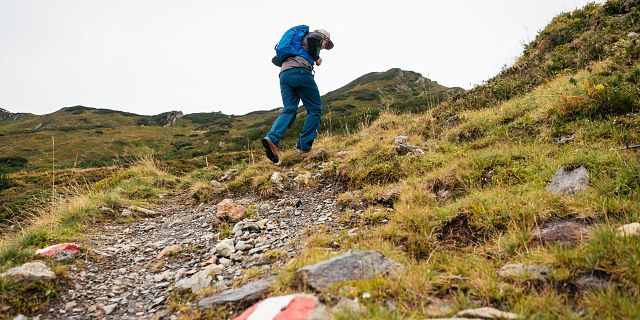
<point>296,53</point>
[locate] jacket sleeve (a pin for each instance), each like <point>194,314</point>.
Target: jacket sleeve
<point>314,43</point>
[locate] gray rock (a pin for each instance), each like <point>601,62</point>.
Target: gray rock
<point>349,266</point>
<point>238,227</point>
<point>403,149</point>
<point>225,248</point>
<point>348,306</point>
<point>200,280</point>
<point>523,271</point>
<point>276,178</point>
<point>632,35</point>
<point>568,181</point>
<point>591,282</point>
<point>109,308</point>
<point>264,208</point>
<point>629,230</point>
<point>21,317</point>
<point>566,232</point>
<point>400,139</point>
<point>30,271</point>
<point>241,245</point>
<point>243,295</point>
<point>488,313</point>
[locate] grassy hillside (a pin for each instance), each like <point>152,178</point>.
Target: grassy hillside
<point>475,201</point>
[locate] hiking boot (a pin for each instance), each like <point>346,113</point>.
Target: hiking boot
<point>271,150</point>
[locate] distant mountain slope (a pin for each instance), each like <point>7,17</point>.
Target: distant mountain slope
<point>90,137</point>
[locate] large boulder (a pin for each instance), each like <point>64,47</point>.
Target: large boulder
<point>30,271</point>
<point>568,181</point>
<point>246,294</point>
<point>229,210</point>
<point>353,265</point>
<point>294,306</point>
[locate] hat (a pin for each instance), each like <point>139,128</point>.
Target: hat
<point>326,34</point>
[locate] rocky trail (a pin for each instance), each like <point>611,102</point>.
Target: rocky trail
<point>132,268</point>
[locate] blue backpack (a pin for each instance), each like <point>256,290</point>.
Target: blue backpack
<point>291,45</point>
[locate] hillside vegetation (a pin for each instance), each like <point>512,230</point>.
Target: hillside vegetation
<point>471,198</point>
<point>477,200</point>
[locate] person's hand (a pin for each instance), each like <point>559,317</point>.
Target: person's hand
<point>319,61</point>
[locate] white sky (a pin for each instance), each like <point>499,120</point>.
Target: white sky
<point>152,56</point>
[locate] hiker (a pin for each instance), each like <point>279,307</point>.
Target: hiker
<point>296,54</point>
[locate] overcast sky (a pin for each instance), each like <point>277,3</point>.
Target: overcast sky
<point>152,56</point>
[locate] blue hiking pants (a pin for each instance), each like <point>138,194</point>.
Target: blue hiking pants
<point>298,84</point>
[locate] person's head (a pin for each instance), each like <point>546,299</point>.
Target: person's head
<point>326,42</point>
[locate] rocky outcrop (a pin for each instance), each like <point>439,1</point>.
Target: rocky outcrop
<point>170,118</point>
<point>8,116</point>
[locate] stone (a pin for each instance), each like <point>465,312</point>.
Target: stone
<point>216,185</point>
<point>403,149</point>
<point>590,283</point>
<point>629,230</point>
<point>342,153</point>
<point>348,306</point>
<point>438,308</point>
<point>564,139</point>
<point>200,280</point>
<point>61,251</point>
<point>226,262</point>
<point>276,178</point>
<point>389,196</point>
<point>294,306</point>
<point>145,212</point>
<point>238,227</point>
<point>20,317</point>
<point>30,271</point>
<point>519,271</point>
<point>302,178</point>
<point>400,139</point>
<point>567,181</point>
<point>225,248</point>
<point>352,265</point>
<point>241,296</point>
<point>319,155</point>
<point>566,232</point>
<point>488,313</point>
<point>108,309</point>
<point>70,305</point>
<point>632,35</point>
<point>228,209</point>
<point>264,208</point>
<point>169,251</point>
<point>241,245</point>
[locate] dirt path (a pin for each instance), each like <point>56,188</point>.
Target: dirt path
<point>124,279</point>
